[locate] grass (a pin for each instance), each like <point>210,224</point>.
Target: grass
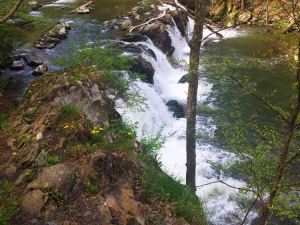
<point>68,111</point>
<point>160,186</point>
<point>3,120</point>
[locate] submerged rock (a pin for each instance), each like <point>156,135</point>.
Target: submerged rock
<point>184,79</point>
<point>176,108</point>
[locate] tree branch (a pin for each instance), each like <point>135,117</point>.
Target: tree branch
<point>11,13</point>
<point>238,83</point>
<point>222,182</point>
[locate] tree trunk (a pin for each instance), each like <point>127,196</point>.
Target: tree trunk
<point>193,72</point>
<point>11,13</point>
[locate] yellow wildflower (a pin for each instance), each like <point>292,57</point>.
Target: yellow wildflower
<point>129,133</point>
<point>14,153</point>
<point>95,128</point>
<point>101,128</point>
<point>65,127</point>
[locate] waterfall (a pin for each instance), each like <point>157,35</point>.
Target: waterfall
<point>218,198</point>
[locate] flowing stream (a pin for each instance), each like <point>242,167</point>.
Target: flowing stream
<point>240,43</point>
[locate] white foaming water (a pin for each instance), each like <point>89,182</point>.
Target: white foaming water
<point>218,198</point>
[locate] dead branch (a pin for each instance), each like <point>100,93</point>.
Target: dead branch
<point>83,6</point>
<point>143,24</point>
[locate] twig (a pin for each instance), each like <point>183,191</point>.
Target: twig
<point>222,182</point>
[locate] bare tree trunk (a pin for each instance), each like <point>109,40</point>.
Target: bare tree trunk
<point>193,72</point>
<point>11,13</point>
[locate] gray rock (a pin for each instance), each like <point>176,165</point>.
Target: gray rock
<point>60,31</point>
<point>40,70</point>
<point>34,61</point>
<point>159,35</point>
<point>10,172</point>
<point>33,201</point>
<point>17,65</point>
<point>60,177</point>
<point>142,66</point>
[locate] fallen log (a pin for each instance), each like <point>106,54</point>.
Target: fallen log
<point>80,7</point>
<point>143,24</point>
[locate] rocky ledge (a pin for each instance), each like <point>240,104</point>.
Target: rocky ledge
<point>58,175</point>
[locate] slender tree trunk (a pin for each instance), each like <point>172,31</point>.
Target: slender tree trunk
<point>193,72</point>
<point>11,13</point>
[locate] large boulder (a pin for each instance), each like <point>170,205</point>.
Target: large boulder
<point>32,60</point>
<point>142,66</point>
<point>159,35</point>
<point>181,19</point>
<point>60,31</point>
<point>58,177</point>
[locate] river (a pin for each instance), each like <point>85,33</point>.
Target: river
<point>239,43</point>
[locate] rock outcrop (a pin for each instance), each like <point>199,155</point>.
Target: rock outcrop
<point>60,176</point>
<point>53,36</point>
<point>142,66</point>
<point>159,35</point>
